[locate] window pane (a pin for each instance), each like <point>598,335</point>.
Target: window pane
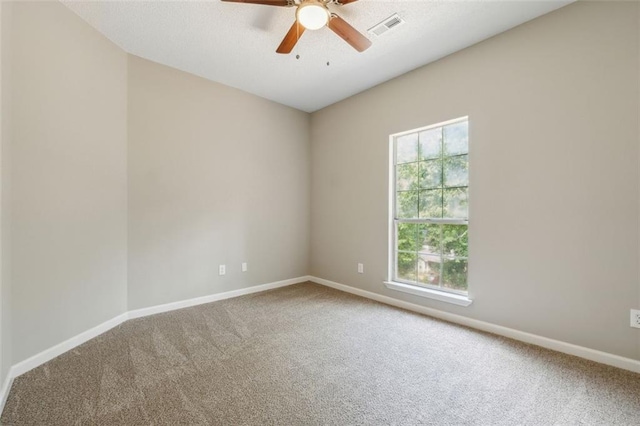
<point>430,143</point>
<point>456,171</point>
<point>431,203</point>
<point>431,174</point>
<point>455,203</point>
<point>455,242</point>
<point>407,205</point>
<point>407,149</point>
<point>431,182</point>
<point>407,237</point>
<point>407,266</point>
<point>429,268</point>
<point>429,238</point>
<point>454,274</point>
<point>407,176</point>
<point>456,140</point>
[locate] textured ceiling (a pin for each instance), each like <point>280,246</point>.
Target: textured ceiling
<point>235,43</point>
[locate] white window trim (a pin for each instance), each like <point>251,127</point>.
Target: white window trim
<point>414,289</point>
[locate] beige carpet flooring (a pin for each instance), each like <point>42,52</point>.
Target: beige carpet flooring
<point>309,355</point>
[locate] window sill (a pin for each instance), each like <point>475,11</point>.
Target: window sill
<point>443,296</point>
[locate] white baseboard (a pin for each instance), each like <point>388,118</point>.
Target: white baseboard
<point>54,351</point>
<point>568,348</point>
<point>556,345</point>
<point>4,391</point>
<point>213,297</point>
<point>48,354</point>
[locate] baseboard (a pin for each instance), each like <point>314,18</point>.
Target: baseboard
<point>54,351</point>
<point>48,354</point>
<point>568,348</point>
<point>213,297</point>
<point>556,345</point>
<point>4,391</point>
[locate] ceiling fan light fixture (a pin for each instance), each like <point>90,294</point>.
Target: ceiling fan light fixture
<point>312,15</point>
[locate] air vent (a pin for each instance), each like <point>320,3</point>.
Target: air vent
<point>391,22</point>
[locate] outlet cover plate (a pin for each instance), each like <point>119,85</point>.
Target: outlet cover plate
<point>635,318</point>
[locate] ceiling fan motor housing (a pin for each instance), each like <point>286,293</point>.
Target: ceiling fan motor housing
<point>313,14</point>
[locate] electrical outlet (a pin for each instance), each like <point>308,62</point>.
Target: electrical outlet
<point>222,270</point>
<point>635,318</point>
<point>244,266</point>
<point>360,268</point>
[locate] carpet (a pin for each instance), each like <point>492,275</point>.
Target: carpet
<point>307,354</point>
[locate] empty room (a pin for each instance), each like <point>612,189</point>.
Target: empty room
<point>320,212</point>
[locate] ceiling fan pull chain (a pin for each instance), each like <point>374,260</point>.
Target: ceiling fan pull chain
<point>298,38</point>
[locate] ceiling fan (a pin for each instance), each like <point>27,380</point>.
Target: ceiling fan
<point>313,15</point>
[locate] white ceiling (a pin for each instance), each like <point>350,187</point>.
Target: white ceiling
<point>235,43</point>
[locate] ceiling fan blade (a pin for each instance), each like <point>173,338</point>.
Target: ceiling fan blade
<point>348,33</point>
<point>343,2</point>
<point>292,37</point>
<point>265,2</point>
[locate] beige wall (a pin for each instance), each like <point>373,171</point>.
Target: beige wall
<point>68,177</point>
<point>553,108</point>
<point>5,294</point>
<point>216,176</point>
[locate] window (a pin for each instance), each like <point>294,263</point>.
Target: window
<point>429,207</point>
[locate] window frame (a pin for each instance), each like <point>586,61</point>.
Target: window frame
<point>393,282</point>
